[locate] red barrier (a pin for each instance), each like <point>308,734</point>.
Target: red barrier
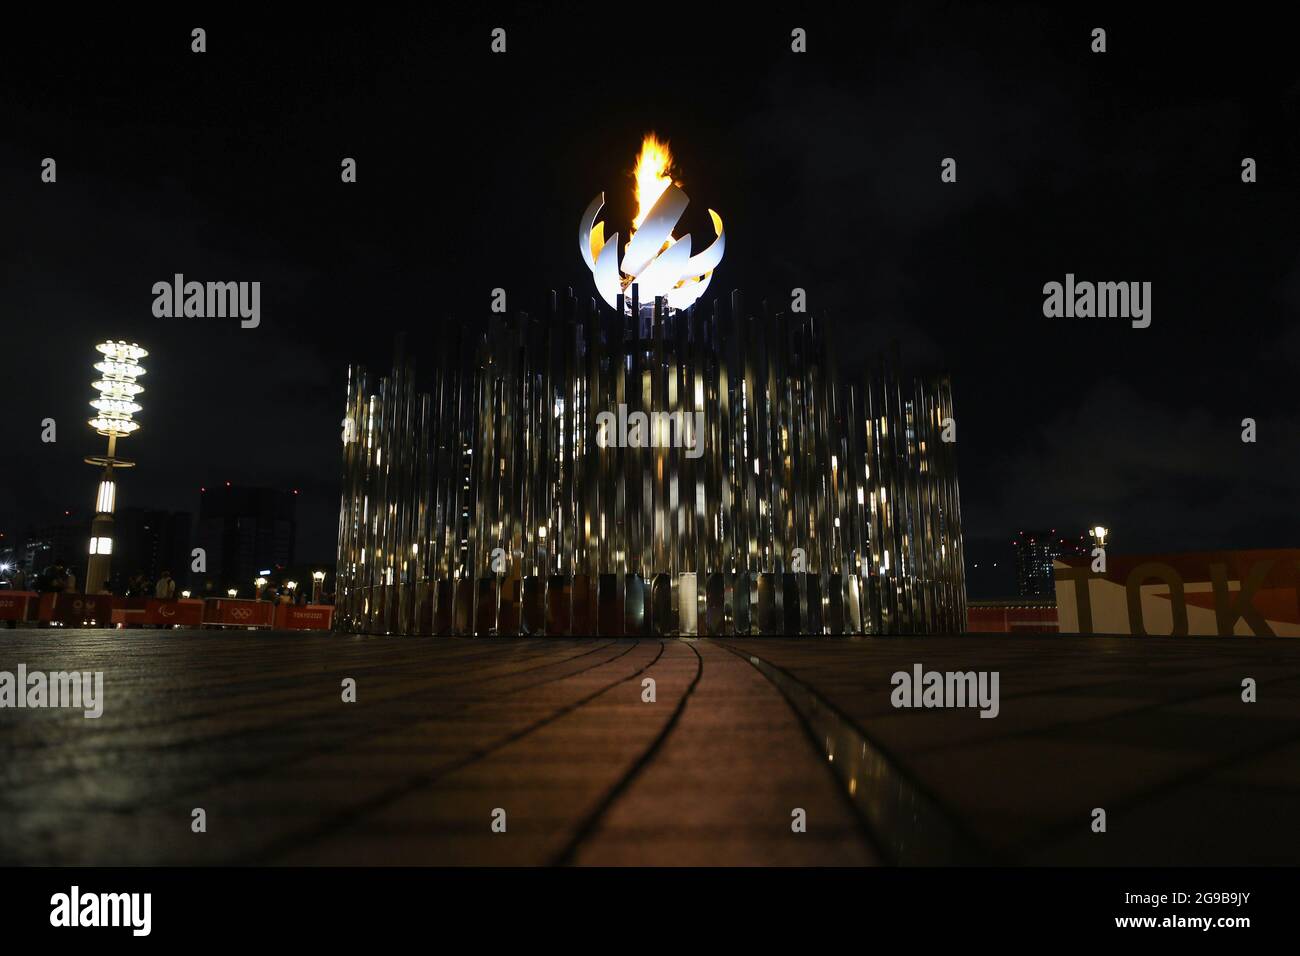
<point>304,617</point>
<point>103,610</point>
<point>224,612</point>
<point>1009,618</point>
<point>76,610</point>
<point>183,613</point>
<point>17,605</point>
<point>155,612</point>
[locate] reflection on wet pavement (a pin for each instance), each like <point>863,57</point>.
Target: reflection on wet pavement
<point>908,825</point>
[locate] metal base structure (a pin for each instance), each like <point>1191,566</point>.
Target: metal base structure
<point>487,506</point>
<point>615,606</point>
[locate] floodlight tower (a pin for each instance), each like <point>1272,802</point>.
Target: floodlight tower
<point>118,389</point>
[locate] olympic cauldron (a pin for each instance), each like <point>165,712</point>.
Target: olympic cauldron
<point>494,503</point>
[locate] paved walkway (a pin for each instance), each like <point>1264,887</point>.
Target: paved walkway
<point>1154,731</point>
<point>444,732</point>
<point>252,729</point>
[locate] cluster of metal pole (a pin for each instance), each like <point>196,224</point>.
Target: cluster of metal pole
<point>486,505</point>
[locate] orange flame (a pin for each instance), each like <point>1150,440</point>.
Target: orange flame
<point>651,175</point>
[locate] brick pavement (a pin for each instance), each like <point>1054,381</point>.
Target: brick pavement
<point>1152,730</point>
<point>251,727</point>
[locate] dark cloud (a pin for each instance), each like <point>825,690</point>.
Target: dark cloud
<point>1164,475</point>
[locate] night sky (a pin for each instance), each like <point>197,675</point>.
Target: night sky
<point>473,169</point>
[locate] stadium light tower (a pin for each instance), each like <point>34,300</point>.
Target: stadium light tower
<point>118,389</point>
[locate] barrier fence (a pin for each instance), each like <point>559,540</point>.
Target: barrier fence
<point>102,610</point>
<point>1003,617</point>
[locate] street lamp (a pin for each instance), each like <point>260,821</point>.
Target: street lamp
<point>260,583</point>
<point>317,581</point>
<point>118,389</point>
<point>232,592</point>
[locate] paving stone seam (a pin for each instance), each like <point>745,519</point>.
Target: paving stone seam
<point>1048,729</point>
<point>587,827</point>
<point>345,818</point>
<point>806,702</point>
<point>376,721</point>
<point>315,695</point>
<point>375,724</point>
<point>1065,830</point>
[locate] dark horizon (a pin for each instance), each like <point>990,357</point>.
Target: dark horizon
<point>1123,166</point>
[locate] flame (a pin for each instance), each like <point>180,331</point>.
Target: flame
<point>651,175</point>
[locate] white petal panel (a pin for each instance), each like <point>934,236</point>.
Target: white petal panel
<point>608,282</point>
<point>655,230</point>
<point>656,273</point>
<point>584,229</point>
<point>664,270</point>
<point>708,260</point>
<point>687,295</point>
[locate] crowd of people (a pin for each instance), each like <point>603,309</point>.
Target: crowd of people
<point>57,578</point>
<point>139,586</point>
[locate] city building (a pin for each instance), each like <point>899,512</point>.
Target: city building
<point>243,531</point>
<point>64,541</point>
<point>644,470</point>
<point>150,542</point>
<point>1035,553</point>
